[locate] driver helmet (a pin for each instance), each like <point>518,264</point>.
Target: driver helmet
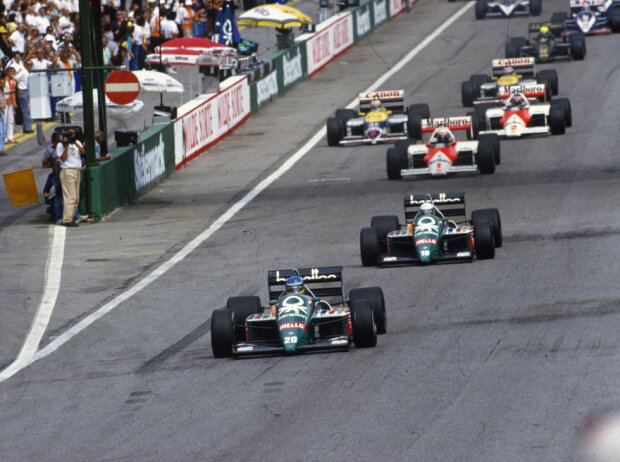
<point>517,100</point>
<point>295,285</point>
<point>375,105</point>
<point>442,135</point>
<point>508,70</point>
<point>427,209</point>
<point>545,31</point>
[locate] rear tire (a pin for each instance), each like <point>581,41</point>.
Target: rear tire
<point>493,139</point>
<point>559,16</point>
<point>374,296</point>
<point>345,115</point>
<point>557,120</point>
<point>486,158</point>
<point>369,247</point>
<point>422,109</point>
<point>334,131</point>
<point>513,47</point>
<point>535,7</point>
<point>552,76</point>
<point>548,89</point>
<point>363,324</point>
<point>477,81</point>
<point>414,126</point>
<point>394,163</point>
<point>222,333</point>
<point>483,240</point>
<point>243,306</point>
<point>481,8</point>
<point>577,47</point>
<point>491,215</point>
<point>384,224</point>
<point>467,93</point>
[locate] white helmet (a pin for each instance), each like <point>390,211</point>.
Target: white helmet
<point>427,208</point>
<point>375,105</point>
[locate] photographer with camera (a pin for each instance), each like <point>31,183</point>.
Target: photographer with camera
<point>68,153</point>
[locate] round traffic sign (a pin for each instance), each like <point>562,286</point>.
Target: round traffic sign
<point>122,87</point>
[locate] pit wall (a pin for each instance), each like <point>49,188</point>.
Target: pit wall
<point>209,118</point>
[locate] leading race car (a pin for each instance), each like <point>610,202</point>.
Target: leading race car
<point>519,118</point>
<point>307,312</point>
<point>590,17</point>
<point>547,42</point>
<point>435,230</point>
<point>382,118</point>
<point>510,75</point>
<point>442,153</point>
<point>507,8</point>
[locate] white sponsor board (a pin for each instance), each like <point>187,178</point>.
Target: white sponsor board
<point>396,7</point>
<point>293,70</point>
<point>333,37</point>
<point>363,22</point>
<point>211,117</point>
<point>380,12</point>
<point>149,165</point>
<point>267,87</point>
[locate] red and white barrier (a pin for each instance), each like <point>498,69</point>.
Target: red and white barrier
<point>332,38</point>
<point>208,119</point>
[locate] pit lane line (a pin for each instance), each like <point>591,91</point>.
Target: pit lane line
<point>63,338</point>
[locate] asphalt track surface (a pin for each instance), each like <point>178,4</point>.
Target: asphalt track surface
<point>494,360</point>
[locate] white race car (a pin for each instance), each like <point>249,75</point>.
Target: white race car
<point>519,118</point>
<point>507,8</point>
<point>442,153</point>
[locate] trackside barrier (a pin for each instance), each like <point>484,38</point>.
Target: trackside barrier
<point>132,171</point>
<point>209,118</point>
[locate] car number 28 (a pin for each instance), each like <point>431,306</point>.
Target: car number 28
<point>291,339</point>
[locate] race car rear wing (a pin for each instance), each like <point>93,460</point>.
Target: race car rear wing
<point>325,282</point>
<point>523,66</point>
<point>556,28</point>
<point>453,123</point>
<point>393,100</point>
<point>452,205</point>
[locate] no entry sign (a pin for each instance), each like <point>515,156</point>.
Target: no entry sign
<point>122,87</point>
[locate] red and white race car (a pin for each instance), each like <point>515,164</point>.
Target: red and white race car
<point>442,154</point>
<point>518,117</point>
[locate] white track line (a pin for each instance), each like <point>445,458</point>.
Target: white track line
<point>53,271</point>
<point>223,219</point>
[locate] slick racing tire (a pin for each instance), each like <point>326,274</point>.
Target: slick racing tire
<point>363,324</point>
<point>559,16</point>
<point>468,93</point>
<point>548,88</point>
<point>491,215</point>
<point>384,224</point>
<point>557,119</point>
<point>475,126</point>
<point>222,333</point>
<point>493,139</point>
<point>334,131</point>
<point>243,307</point>
<point>374,296</point>
<point>486,157</point>
<point>513,47</point>
<point>422,110</point>
<point>394,163</point>
<point>568,112</point>
<point>613,14</point>
<point>414,126</point>
<point>403,145</point>
<point>369,247</point>
<point>535,7</point>
<point>481,8</point>
<point>477,80</point>
<point>483,240</point>
<point>552,76</point>
<point>577,46</point>
<point>344,115</point>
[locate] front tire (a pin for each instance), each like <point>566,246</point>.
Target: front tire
<point>486,158</point>
<point>614,18</point>
<point>481,8</point>
<point>577,47</point>
<point>363,324</point>
<point>483,240</point>
<point>374,296</point>
<point>394,163</point>
<point>333,131</point>
<point>568,112</point>
<point>369,247</point>
<point>557,120</point>
<point>222,333</point>
<point>494,140</point>
<point>492,216</point>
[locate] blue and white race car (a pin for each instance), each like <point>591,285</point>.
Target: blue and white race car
<point>590,17</point>
<point>507,8</point>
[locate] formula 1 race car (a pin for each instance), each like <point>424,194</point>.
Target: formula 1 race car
<point>511,75</point>
<point>300,316</point>
<point>442,153</point>
<point>507,8</point>
<point>547,42</point>
<point>382,118</point>
<point>590,17</point>
<point>431,233</point>
<point>518,118</point>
